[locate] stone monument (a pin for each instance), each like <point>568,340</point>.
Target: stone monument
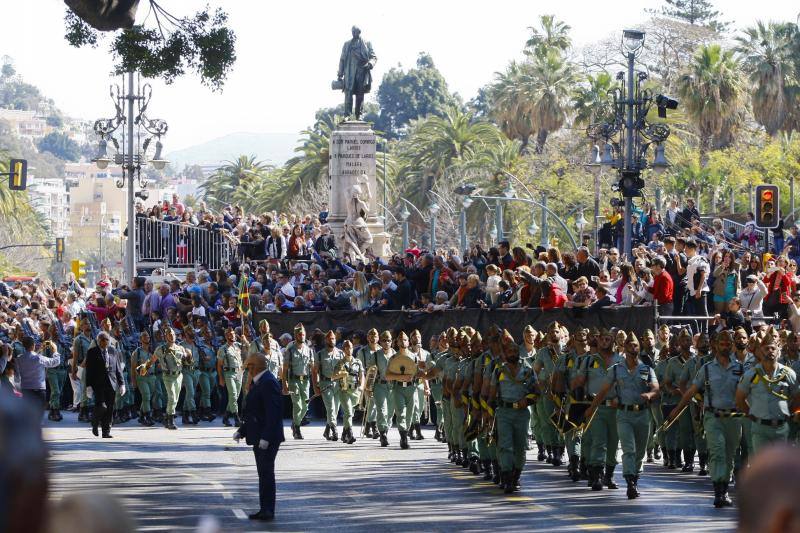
<point>354,204</point>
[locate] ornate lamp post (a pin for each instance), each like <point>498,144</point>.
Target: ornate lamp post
<point>462,223</point>
<point>627,135</point>
<point>132,157</point>
<point>433,208</point>
<point>404,214</point>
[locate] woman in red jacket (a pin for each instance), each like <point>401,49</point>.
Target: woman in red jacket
<point>780,286</point>
<point>552,296</point>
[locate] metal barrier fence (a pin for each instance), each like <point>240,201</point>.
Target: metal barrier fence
<point>180,246</point>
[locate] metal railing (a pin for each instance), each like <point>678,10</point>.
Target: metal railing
<point>730,226</point>
<point>181,246</point>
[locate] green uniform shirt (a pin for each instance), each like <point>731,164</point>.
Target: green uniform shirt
<point>171,358</point>
<point>207,358</point>
<point>767,400</point>
<point>630,384</point>
<point>298,360</point>
<point>692,366</point>
<point>595,370</point>
<point>195,351</point>
<point>749,360</point>
<point>326,361</point>
<point>382,360</point>
<point>673,375</point>
<point>140,357</point>
<point>231,357</point>
<point>512,388</point>
<point>80,346</point>
<point>718,384</point>
<point>354,368</point>
<point>548,358</point>
<point>526,357</point>
<point>367,355</point>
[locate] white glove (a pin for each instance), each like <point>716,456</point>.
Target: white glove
<point>263,444</point>
<point>122,390</point>
<point>237,437</point>
<point>89,392</point>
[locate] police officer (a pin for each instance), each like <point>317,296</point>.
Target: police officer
<point>636,386</point>
<point>80,347</point>
<point>229,370</point>
<point>207,377</point>
<point>602,430</point>
<point>367,355</point>
<point>297,361</point>
<point>766,393</point>
<point>544,367</point>
<point>145,383</point>
<point>382,393</point>
<point>404,390</point>
<point>512,388</point>
<point>717,381</point>
<point>325,364</point>
<point>349,393</point>
<point>191,376</point>
<point>171,357</point>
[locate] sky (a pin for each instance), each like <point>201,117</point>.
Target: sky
<point>288,53</point>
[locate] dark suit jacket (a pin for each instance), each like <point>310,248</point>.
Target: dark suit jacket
<point>98,377</point>
<point>263,413</point>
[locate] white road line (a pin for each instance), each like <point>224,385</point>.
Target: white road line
<point>238,513</point>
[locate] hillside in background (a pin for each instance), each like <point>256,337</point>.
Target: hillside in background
<point>272,148</point>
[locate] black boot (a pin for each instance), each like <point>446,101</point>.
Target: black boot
<point>583,470</point>
<point>718,488</point>
<point>384,440</point>
<point>51,415</point>
<point>352,437</point>
<point>345,436</point>
<point>726,501</point>
<point>299,433</point>
<point>82,414</point>
<point>596,477</point>
<point>185,418</point>
<point>210,416</point>
<point>474,465</point>
<point>508,482</point>
<point>608,479</point>
<point>142,419</point>
<point>172,422</point>
<point>632,490</point>
<point>657,453</point>
<point>419,433</point>
<point>375,432</point>
<point>703,458</point>
<point>195,418</point>
<point>688,460</point>
<point>334,433</point>
<point>294,431</point>
<point>649,455</point>
<point>404,440</point>
<point>327,432</point>
<point>59,418</point>
<point>452,455</point>
<point>437,435</point>
<point>558,455</point>
<point>226,419</point>
<point>549,450</point>
<point>670,457</point>
<point>541,456</point>
<point>465,458</point>
<point>515,475</point>
<point>368,430</point>
<point>487,470</point>
<point>574,468</point>
<point>148,421</point>
<point>496,472</point>
<point>237,420</point>
<point>678,460</point>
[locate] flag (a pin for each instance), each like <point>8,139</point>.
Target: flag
<point>244,296</point>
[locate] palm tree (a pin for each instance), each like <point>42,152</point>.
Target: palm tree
<point>767,56</point>
<point>591,102</point>
<point>508,108</point>
<point>554,35</point>
<point>712,92</point>
<point>220,187</point>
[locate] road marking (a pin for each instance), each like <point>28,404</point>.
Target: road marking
<point>238,513</point>
<point>519,499</point>
<point>572,517</point>
<point>594,527</point>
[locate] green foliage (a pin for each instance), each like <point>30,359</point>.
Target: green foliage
<point>406,95</point>
<point>219,189</point>
<point>60,145</point>
<point>201,43</point>
<point>16,94</point>
<point>695,12</point>
<point>553,36</point>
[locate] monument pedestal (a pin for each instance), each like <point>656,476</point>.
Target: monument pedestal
<point>352,154</point>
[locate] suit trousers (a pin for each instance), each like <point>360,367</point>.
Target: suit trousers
<point>103,408</point>
<point>265,464</point>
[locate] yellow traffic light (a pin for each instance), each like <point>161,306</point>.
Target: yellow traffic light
<point>59,249</point>
<point>18,175</point>
<point>79,269</point>
<point>767,202</point>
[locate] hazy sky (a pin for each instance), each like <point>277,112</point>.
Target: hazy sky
<point>288,52</point>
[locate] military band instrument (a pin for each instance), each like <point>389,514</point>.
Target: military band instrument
<point>402,364</point>
<point>340,375</point>
<point>667,422</point>
<point>366,398</point>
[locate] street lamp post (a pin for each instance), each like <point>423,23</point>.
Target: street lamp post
<point>628,135</point>
<point>462,223</point>
<point>404,214</point>
<point>434,210</point>
<point>545,237</point>
<point>581,223</point>
<point>131,158</point>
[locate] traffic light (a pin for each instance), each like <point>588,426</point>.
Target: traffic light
<point>79,269</point>
<point>59,249</point>
<point>768,199</point>
<point>630,184</point>
<point>18,174</point>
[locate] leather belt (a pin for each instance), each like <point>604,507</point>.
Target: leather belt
<point>168,373</point>
<point>726,413</point>
<point>230,369</point>
<point>633,407</point>
<point>767,421</point>
<point>511,405</point>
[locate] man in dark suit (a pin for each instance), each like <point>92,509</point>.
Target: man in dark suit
<point>103,378</point>
<point>262,428</point>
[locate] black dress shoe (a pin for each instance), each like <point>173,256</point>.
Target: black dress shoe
<point>108,436</point>
<point>95,431</point>
<point>261,516</point>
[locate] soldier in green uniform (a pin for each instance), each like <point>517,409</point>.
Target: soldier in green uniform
<point>717,381</point>
<point>567,369</point>
<point>457,407</point>
<point>679,437</point>
<point>171,357</point>
<point>446,370</point>
<point>367,354</point>
<point>404,389</point>
<point>56,376</point>
<point>527,355</point>
<point>423,391</point>
<point>512,388</point>
<point>128,342</point>
<point>649,356</point>
<point>207,377</point>
<point>544,367</point>
<point>487,448</point>
<point>766,394</point>
<point>350,388</point>
<point>80,346</point>
<point>439,348</point>
<point>668,349</point>
<point>191,376</point>
<point>703,355</point>
<point>229,370</point>
<point>384,403</point>
<point>748,360</point>
<point>790,356</point>
<point>297,361</point>
<point>602,430</point>
<point>470,406</point>
<point>145,383</point>
<point>270,347</point>
<point>636,386</point>
<point>325,362</point>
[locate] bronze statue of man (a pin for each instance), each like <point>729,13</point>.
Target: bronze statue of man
<point>355,71</point>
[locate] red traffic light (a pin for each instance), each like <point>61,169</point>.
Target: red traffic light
<point>766,195</point>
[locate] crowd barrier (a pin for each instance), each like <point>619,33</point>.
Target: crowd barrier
<point>636,318</point>
<point>180,246</point>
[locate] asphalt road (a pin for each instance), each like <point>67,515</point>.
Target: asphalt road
<point>168,480</point>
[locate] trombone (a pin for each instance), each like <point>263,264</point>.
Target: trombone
<point>668,423</point>
<point>366,398</point>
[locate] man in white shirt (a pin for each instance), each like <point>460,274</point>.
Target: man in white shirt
<point>697,271</point>
<point>752,296</point>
